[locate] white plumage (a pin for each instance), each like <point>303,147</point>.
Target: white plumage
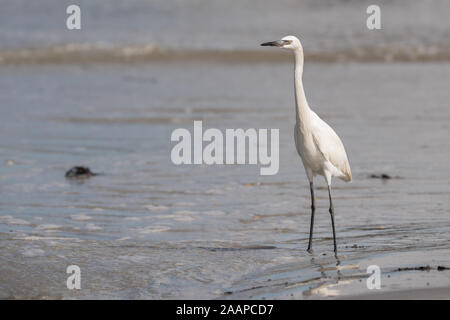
<point>320,148</point>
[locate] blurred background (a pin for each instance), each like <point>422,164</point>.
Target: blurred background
<point>332,30</point>
<point>108,97</point>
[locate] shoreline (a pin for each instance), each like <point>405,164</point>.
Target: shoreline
<point>439,293</point>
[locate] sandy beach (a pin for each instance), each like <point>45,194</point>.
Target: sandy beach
<point>148,229</point>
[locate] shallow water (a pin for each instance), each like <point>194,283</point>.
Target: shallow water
<point>149,229</point>
<point>212,29</point>
<point>109,96</point>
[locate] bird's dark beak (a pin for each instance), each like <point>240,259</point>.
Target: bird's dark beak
<point>278,43</point>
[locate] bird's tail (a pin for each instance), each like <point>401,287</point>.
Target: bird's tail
<point>346,174</point>
<point>347,177</point>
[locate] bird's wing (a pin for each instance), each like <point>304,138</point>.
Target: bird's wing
<point>330,146</point>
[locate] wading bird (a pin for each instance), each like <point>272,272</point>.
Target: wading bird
<point>319,147</point>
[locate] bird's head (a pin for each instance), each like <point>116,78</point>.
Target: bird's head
<point>288,42</point>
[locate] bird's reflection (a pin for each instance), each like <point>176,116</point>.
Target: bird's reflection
<point>326,267</point>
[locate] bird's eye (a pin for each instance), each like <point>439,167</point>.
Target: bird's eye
<point>287,42</point>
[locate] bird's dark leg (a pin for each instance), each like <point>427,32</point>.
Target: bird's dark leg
<point>332,218</point>
<point>313,208</point>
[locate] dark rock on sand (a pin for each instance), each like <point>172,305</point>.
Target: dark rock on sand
<point>80,172</point>
<point>421,268</point>
<point>383,176</point>
<point>424,268</point>
<point>380,176</point>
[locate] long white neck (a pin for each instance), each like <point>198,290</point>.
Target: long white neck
<point>302,110</point>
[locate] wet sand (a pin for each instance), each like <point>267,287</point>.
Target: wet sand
<point>415,294</point>
<point>109,96</point>
<point>425,278</point>
<point>147,229</point>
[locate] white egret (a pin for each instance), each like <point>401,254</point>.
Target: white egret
<point>319,147</point>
